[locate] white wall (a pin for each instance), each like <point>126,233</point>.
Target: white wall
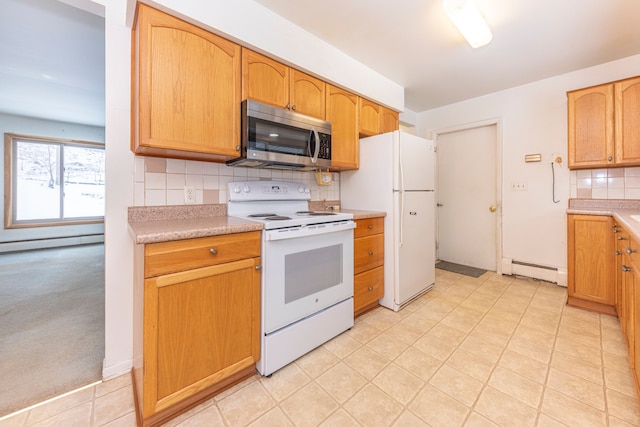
<point>534,120</point>
<point>28,238</point>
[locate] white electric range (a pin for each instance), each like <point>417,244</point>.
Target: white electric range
<point>307,268</point>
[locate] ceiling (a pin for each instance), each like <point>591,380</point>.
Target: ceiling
<point>413,43</point>
<point>52,54</point>
<point>52,61</point>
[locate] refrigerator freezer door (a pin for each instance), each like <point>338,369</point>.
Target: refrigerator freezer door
<point>414,245</point>
<point>415,167</point>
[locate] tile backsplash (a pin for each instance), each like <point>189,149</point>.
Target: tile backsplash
<point>161,182</point>
<point>614,183</point>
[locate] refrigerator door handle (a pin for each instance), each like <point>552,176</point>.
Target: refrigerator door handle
<point>401,170</point>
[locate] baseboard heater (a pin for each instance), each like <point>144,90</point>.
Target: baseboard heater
<point>537,271</point>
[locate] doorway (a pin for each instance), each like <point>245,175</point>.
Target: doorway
<point>468,196</point>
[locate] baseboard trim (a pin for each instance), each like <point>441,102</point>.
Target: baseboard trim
<point>110,372</point>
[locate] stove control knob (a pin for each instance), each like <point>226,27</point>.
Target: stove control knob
<point>306,190</point>
<point>246,189</point>
<point>301,189</point>
<point>236,189</point>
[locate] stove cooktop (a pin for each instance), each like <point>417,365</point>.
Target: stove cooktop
<point>277,204</point>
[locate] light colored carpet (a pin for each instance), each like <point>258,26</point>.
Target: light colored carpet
<point>51,323</point>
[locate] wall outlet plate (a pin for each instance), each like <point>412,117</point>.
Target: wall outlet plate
<point>189,195</point>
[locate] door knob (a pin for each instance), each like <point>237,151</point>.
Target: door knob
<point>492,208</point>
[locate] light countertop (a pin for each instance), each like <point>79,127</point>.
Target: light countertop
<point>167,223</point>
<point>620,210</point>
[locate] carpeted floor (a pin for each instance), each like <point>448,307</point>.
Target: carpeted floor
<point>460,269</point>
<point>51,323</point>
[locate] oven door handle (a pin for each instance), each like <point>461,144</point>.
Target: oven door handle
<point>308,230</point>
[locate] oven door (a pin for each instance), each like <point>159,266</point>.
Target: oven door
<point>304,271</point>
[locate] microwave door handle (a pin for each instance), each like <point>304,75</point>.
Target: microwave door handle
<point>314,157</point>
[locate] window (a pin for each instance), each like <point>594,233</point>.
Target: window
<point>52,181</point>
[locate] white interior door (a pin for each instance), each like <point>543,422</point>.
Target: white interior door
<point>466,194</point>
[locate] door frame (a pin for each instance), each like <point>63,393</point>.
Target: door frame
<point>497,122</point>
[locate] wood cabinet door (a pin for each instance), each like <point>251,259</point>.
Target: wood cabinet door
<point>389,120</point>
<point>342,112</point>
<point>621,236</point>
<point>264,79</point>
<point>188,87</point>
<point>590,127</point>
<point>307,94</point>
<point>627,125</point>
<point>369,117</point>
<point>591,259</point>
<point>200,326</point>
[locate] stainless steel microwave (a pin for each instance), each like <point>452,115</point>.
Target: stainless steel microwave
<point>276,138</point>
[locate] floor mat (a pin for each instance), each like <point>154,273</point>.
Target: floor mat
<point>460,269</point>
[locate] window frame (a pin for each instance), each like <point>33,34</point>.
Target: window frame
<point>10,181</point>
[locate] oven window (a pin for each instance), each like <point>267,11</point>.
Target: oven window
<point>313,271</point>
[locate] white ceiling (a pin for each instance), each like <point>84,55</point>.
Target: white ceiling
<point>52,62</point>
<point>52,54</point>
<point>413,43</point>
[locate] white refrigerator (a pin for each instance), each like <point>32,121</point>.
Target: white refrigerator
<point>397,176</point>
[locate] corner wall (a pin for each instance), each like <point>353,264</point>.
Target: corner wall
<point>534,118</point>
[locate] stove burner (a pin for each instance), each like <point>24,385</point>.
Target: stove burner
<point>277,218</point>
<point>261,215</point>
<point>304,212</point>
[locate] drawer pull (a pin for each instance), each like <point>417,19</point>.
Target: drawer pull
<point>625,268</point>
<point>629,250</point>
<point>622,238</point>
<point>213,251</point>
<point>370,227</point>
<point>618,253</point>
<point>370,252</point>
<point>370,288</point>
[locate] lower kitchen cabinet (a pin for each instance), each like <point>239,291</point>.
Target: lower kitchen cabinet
<point>197,321</point>
<point>591,263</point>
<point>368,269</point>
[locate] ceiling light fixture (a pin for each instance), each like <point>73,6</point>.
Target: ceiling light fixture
<point>467,17</point>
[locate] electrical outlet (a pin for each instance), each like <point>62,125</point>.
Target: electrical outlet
<point>189,195</point>
<point>518,186</point>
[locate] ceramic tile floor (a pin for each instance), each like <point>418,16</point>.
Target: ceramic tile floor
<point>492,351</point>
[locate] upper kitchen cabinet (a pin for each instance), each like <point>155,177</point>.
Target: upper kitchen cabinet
<point>376,119</point>
<point>272,82</point>
<point>604,125</point>
<point>389,120</point>
<point>369,117</point>
<point>627,125</point>
<point>590,127</point>
<point>342,112</point>
<point>186,90</point>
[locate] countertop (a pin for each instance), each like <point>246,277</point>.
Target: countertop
<point>620,210</point>
<point>167,223</point>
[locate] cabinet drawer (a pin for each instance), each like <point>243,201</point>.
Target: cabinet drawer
<point>368,253</point>
<point>181,255</point>
<point>368,287</point>
<point>367,227</point>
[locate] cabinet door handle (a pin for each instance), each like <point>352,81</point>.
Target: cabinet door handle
<point>213,251</point>
<point>629,250</point>
<point>288,106</point>
<point>258,267</point>
<point>625,268</point>
<point>370,288</point>
<point>616,230</point>
<point>370,227</point>
<point>618,253</point>
<point>610,158</point>
<point>293,108</point>
<point>370,252</point>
